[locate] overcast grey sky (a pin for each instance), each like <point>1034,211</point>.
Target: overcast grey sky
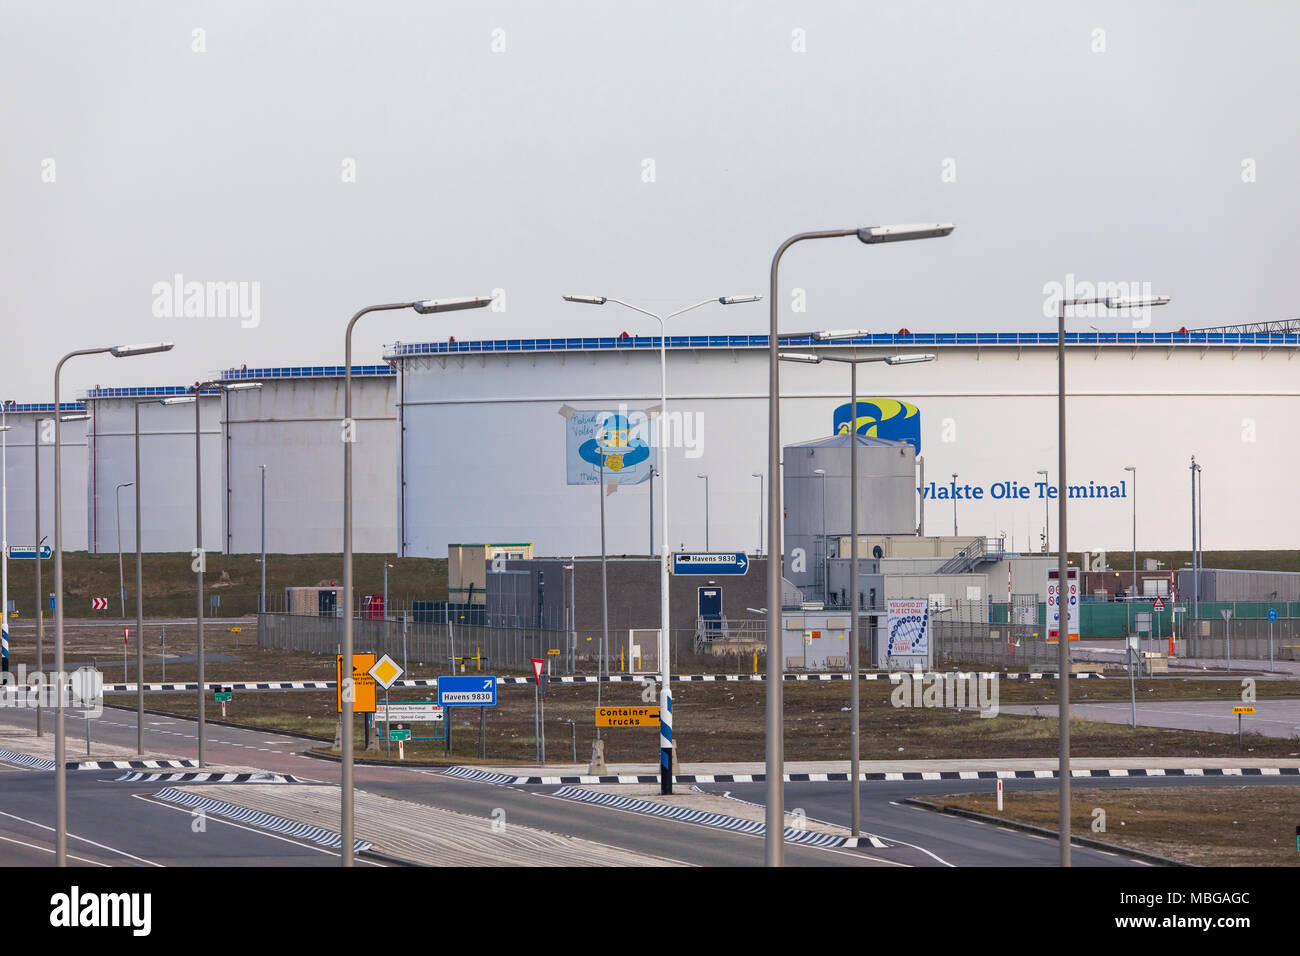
<point>508,146</point>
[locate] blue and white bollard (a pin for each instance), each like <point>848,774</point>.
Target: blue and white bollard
<point>665,740</point>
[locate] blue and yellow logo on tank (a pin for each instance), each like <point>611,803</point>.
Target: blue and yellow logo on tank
<point>882,418</point>
<point>614,442</point>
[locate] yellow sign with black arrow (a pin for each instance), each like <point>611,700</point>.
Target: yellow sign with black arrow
<point>627,716</point>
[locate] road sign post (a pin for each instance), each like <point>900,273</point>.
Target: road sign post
<point>1272,616</point>
<point>539,710</point>
<point>1227,633</point>
<point>1054,601</point>
<point>1240,711</point>
<point>710,562</point>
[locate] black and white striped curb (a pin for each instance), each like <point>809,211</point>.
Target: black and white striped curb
<point>45,763</point>
<point>136,764</point>
<point>605,679</point>
<point>482,776</point>
<point>207,776</point>
<point>701,817</point>
<point>877,777</point>
<point>256,818</point>
<point>26,760</point>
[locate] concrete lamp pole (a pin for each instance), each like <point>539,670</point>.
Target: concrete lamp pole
<point>1063,599</point>
<point>60,745</point>
<point>261,597</point>
<point>1133,588</point>
<point>774,847</point>
<point>855,601</point>
<point>954,504</point>
<point>1047,536</point>
<point>199,554</point>
<point>4,536</point>
<point>706,510</point>
<point>424,307</point>
<point>665,662</point>
<point>121,578</point>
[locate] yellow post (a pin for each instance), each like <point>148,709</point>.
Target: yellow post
<point>620,659</point>
<point>478,659</point>
<point>756,660</point>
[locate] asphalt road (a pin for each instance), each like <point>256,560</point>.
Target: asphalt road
<point>1274,717</point>
<point>116,824</point>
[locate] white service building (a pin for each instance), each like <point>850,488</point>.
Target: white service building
<point>487,431</point>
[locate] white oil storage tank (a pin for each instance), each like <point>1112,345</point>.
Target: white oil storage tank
<point>817,499</point>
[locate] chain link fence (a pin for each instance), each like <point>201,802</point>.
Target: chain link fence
<point>1208,638</point>
<point>995,646</point>
<point>502,649</point>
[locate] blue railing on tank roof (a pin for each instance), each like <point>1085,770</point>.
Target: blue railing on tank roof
<point>874,339</point>
<point>305,371</point>
<point>47,407</point>
<point>142,391</point>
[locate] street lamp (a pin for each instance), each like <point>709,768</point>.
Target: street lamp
<point>774,846</point>
<point>424,307</point>
<point>1063,630</point>
<point>821,473</point>
<point>706,510</point>
<point>261,598</point>
<point>60,745</point>
<point>1047,537</point>
<point>139,588</point>
<point>954,504</point>
<point>4,535</point>
<point>759,476</point>
<point>1133,591</point>
<point>567,412</point>
<point>855,602</point>
<point>121,579</point>
<point>200,554</point>
<point>665,690</point>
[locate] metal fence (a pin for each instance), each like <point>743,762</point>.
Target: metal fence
<point>966,644</point>
<point>1207,638</point>
<point>411,642</point>
<point>501,649</point>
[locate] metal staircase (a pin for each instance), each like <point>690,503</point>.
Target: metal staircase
<point>980,551</point>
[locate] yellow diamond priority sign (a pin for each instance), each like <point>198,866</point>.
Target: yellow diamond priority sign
<point>386,671</point>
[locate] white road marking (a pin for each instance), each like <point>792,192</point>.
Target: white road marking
<point>239,826</point>
<point>50,849</point>
<point>74,836</point>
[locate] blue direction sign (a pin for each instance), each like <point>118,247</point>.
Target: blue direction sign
<point>1272,614</point>
<point>467,690</point>
<point>20,551</point>
<point>704,562</point>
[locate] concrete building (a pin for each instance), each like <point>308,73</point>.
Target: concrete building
<point>166,467</point>
<point>32,426</point>
<point>293,426</point>
<point>496,462</point>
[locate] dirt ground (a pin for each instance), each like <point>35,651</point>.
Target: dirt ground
<point>1207,826</point>
<point>714,721</point>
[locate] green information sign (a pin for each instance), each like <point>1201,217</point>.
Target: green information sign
<point>399,735</point>
<point>222,696</point>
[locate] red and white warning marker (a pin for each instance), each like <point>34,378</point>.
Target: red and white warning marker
<point>99,604</point>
